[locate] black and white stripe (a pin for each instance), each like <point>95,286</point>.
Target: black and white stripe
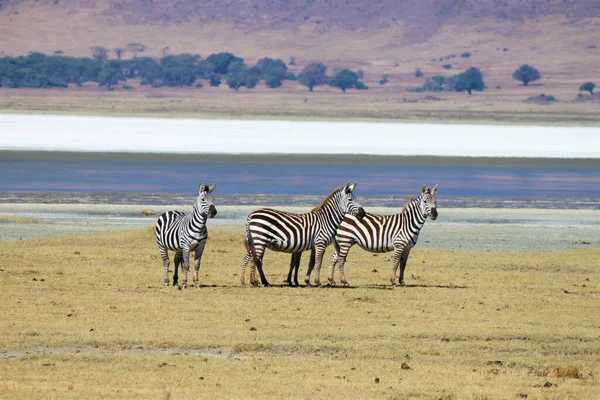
<point>295,233</point>
<point>183,233</point>
<point>383,233</point>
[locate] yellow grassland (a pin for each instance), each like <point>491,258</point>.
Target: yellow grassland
<point>88,317</point>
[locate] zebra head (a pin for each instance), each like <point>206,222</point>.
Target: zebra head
<point>349,204</point>
<point>428,202</point>
<point>204,201</point>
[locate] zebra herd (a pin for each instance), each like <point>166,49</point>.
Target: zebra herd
<point>339,219</point>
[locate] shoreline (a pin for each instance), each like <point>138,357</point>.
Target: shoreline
<point>456,229</point>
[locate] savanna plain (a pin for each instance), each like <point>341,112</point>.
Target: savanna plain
<point>88,317</point>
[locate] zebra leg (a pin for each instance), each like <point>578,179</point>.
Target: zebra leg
<point>197,259</point>
<point>253,280</point>
<point>294,266</point>
<point>245,262</point>
<point>333,260</point>
<point>186,267</point>
<point>397,256</point>
<point>263,278</point>
<point>177,261</point>
<point>320,249</point>
<point>311,265</point>
<point>164,253</point>
<point>403,260</point>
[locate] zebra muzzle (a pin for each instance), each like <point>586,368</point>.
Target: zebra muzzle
<point>360,213</point>
<point>212,211</point>
<point>434,214</point>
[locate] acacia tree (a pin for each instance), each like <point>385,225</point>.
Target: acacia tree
<point>99,53</point>
<point>119,52</point>
<point>588,86</point>
<point>313,74</point>
<point>526,74</point>
<point>470,80</point>
<point>136,48</point>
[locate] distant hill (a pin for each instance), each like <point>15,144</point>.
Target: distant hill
<point>392,37</point>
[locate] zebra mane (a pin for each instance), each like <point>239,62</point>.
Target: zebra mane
<point>409,202</point>
<point>320,206</point>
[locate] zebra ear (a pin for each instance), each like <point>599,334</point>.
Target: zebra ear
<point>434,190</point>
<point>345,188</point>
<point>201,188</point>
<point>423,189</point>
<point>351,187</point>
<point>211,188</point>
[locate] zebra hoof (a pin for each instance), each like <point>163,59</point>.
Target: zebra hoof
<point>166,284</point>
<point>197,286</point>
<point>332,283</point>
<point>182,287</point>
<point>346,284</point>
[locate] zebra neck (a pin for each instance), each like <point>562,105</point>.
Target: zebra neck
<point>415,214</point>
<point>198,219</point>
<point>330,210</point>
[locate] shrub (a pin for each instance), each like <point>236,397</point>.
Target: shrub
<point>588,86</point>
<point>418,73</point>
<point>447,66</point>
<point>465,54</point>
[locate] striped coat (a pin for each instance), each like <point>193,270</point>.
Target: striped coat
<point>183,233</point>
<point>293,233</point>
<point>383,233</point>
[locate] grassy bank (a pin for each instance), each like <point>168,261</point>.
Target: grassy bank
<point>87,317</point>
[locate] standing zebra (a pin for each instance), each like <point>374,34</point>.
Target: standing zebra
<point>183,233</point>
<point>294,233</point>
<point>383,233</point>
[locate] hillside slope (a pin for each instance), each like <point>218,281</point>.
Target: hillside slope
<point>559,37</point>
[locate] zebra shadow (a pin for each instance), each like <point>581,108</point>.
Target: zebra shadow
<point>409,286</point>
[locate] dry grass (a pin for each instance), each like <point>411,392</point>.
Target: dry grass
<point>296,103</point>
<point>18,220</point>
<point>87,317</point>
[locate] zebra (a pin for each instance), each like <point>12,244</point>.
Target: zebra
<point>382,233</point>
<point>294,233</point>
<point>183,233</point>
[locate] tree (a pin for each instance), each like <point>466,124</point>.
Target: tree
<point>526,74</point>
<point>110,74</point>
<point>313,74</point>
<point>222,61</point>
<point>268,66</point>
<point>215,80</point>
<point>242,76</point>
<point>273,81</point>
<point>588,86</point>
<point>99,53</point>
<point>136,48</point>
<point>119,52</point>
<point>470,80</point>
<point>345,79</point>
